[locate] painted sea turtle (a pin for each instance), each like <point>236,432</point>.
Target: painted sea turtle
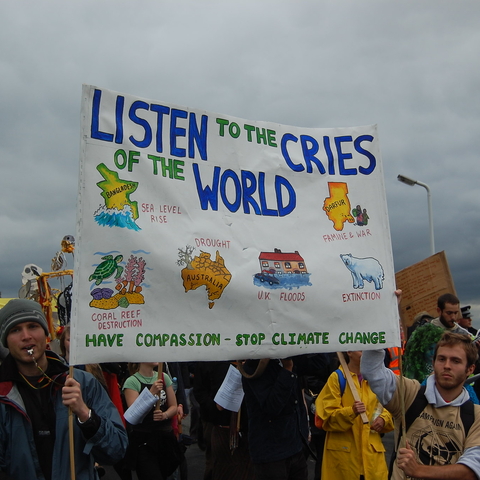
<point>107,268</point>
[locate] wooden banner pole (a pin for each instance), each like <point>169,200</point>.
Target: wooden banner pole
<point>70,434</point>
<point>351,384</point>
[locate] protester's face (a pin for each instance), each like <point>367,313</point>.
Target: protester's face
<point>150,364</point>
<point>449,315</point>
<point>26,336</point>
<point>465,322</point>
<point>355,356</point>
<point>450,367</point>
<point>67,343</point>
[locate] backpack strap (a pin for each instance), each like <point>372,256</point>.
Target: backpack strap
<point>341,380</point>
<point>467,414</point>
<point>416,408</point>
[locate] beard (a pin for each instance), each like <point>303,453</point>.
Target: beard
<point>451,381</point>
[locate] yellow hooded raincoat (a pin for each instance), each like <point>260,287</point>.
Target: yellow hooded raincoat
<point>351,448</point>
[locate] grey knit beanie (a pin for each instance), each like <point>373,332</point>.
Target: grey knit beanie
<point>17,311</point>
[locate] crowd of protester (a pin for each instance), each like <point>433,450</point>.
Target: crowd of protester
<point>332,409</point>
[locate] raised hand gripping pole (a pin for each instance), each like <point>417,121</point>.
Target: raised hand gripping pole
<point>351,384</point>
<point>159,377</point>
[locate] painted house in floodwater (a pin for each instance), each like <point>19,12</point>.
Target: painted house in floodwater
<point>279,263</point>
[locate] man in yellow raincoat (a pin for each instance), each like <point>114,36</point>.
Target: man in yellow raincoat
<point>353,450</point>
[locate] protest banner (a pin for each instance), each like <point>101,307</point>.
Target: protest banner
<point>208,237</point>
<point>422,284</point>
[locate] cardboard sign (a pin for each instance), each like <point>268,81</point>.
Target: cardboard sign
<point>422,284</point>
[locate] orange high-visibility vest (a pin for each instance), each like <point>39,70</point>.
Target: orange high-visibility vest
<point>394,364</point>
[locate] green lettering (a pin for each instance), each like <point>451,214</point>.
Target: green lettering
<point>222,124</point>
<point>234,130</point>
<point>271,138</point>
<point>132,159</point>
<point>155,160</point>
<point>120,153</point>
<point>249,129</point>
<point>178,170</point>
<point>261,136</point>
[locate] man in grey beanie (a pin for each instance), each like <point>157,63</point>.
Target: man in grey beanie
<point>18,311</point>
<point>35,394</point>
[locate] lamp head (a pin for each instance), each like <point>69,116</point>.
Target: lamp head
<point>408,181</point>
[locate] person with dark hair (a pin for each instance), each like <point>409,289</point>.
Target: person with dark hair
<point>448,309</point>
<point>220,426</point>
<point>35,395</point>
<point>277,416</point>
<point>154,451</point>
<point>442,424</point>
<point>445,298</point>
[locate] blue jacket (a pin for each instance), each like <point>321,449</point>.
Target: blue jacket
<point>18,456</point>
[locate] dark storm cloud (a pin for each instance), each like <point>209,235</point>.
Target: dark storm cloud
<point>409,67</point>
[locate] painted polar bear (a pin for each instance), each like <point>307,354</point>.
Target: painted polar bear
<point>368,269</point>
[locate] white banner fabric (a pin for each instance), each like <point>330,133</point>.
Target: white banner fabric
<point>208,237</point>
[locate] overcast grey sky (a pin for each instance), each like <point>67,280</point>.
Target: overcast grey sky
<point>411,67</point>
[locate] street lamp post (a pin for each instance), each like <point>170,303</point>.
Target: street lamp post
<point>409,181</point>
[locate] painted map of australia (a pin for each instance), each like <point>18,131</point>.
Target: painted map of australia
<point>203,271</point>
<point>337,205</point>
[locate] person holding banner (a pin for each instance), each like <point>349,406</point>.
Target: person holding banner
<point>277,416</point>
<point>226,443</point>
<point>353,449</point>
<point>442,425</point>
<point>35,397</point>
<point>154,451</point>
